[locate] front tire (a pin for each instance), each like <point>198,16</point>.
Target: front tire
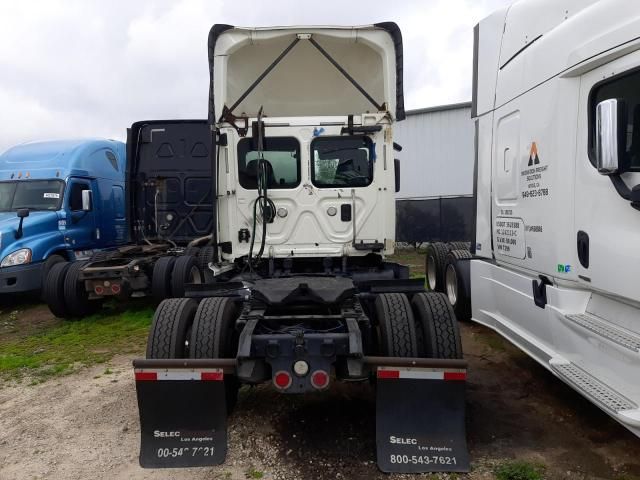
<point>53,289</point>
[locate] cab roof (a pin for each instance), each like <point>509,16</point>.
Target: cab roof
<point>61,158</point>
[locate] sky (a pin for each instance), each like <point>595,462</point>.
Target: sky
<point>90,68</point>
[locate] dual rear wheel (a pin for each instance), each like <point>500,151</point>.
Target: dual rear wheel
<point>424,327</point>
<point>65,294</point>
<point>171,275</point>
<point>184,328</point>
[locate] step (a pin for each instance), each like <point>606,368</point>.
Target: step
<point>605,329</point>
<point>592,388</point>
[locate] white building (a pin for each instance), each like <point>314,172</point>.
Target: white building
<point>435,201</point>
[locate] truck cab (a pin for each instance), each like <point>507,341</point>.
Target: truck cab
<point>59,200</point>
<point>557,117</point>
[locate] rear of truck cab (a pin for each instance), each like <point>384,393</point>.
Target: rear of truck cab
<point>301,124</point>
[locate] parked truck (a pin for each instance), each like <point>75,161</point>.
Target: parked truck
<point>556,106</point>
<point>166,238</point>
<point>301,122</point>
<point>59,201</point>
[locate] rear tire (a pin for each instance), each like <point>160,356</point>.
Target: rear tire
<point>457,283</point>
<point>441,335</point>
<point>460,246</point>
<point>397,328</point>
<point>53,289</point>
<point>161,278</point>
<point>75,295</point>
<point>434,265</point>
<point>213,336</point>
<point>171,321</point>
<point>185,270</point>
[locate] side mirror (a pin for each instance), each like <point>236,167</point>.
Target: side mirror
<point>396,169</point>
<point>610,136</point>
<point>87,203</point>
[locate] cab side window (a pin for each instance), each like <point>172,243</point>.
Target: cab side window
<point>625,89</point>
<point>75,196</point>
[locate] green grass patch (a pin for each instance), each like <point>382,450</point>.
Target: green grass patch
<point>63,348</point>
<point>253,473</point>
<point>519,470</point>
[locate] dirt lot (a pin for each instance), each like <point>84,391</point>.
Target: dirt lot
<point>84,424</point>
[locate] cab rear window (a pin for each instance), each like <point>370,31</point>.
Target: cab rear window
<point>282,160</point>
<point>342,161</point>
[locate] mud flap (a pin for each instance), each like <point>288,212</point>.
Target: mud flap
<point>183,417</point>
<point>420,420</point>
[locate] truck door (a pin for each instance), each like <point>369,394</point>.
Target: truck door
<point>80,233</point>
<point>607,232</point>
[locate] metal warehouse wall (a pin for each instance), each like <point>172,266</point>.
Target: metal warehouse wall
<point>437,155</point>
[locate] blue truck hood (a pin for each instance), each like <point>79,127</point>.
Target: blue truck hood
<point>37,229</point>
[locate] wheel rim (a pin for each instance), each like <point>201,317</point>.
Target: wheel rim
<point>194,275</point>
<point>431,271</point>
<point>452,284</point>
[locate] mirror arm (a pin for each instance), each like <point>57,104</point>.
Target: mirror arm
<point>620,186</point>
<point>18,234</point>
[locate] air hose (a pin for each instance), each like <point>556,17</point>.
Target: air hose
<point>267,207</point>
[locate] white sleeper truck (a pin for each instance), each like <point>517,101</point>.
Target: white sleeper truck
<point>302,293</point>
<point>556,103</point>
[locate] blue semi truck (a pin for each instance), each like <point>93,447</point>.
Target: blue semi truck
<point>59,201</point>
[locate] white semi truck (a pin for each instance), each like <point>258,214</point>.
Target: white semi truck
<point>302,293</point>
<point>556,103</point>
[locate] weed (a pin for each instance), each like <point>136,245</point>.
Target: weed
<point>253,473</point>
<point>519,470</point>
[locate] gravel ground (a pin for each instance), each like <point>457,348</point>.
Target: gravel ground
<point>85,426</point>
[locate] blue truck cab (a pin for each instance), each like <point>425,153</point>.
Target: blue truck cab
<point>59,201</point>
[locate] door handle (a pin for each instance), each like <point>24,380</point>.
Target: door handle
<point>583,248</point>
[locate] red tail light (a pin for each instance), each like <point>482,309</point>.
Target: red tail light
<point>99,289</point>
<point>320,379</point>
<point>115,288</point>
<point>282,380</point>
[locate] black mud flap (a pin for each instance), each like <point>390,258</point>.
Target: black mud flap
<point>183,417</point>
<point>420,420</point>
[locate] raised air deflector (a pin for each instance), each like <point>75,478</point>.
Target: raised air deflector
<point>319,71</point>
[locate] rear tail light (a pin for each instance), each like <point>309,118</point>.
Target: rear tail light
<point>115,288</point>
<point>282,380</point>
<point>320,379</point>
<point>99,289</point>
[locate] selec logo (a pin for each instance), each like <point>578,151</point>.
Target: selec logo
<point>564,268</point>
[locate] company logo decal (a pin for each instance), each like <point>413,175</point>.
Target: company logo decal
<point>533,155</point>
